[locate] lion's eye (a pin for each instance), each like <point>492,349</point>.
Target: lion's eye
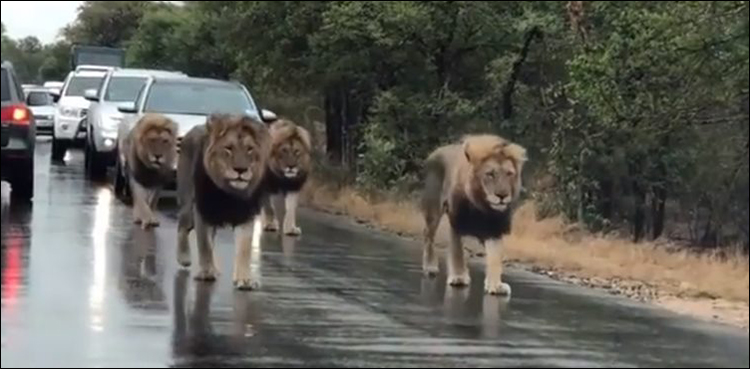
<point>228,150</point>
<point>296,152</point>
<point>491,175</point>
<point>250,151</point>
<point>510,173</point>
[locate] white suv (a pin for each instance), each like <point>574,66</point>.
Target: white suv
<point>72,108</point>
<point>119,86</point>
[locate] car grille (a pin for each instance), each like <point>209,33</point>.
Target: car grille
<point>44,117</point>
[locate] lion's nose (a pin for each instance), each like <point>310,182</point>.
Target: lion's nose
<point>504,197</point>
<point>240,171</point>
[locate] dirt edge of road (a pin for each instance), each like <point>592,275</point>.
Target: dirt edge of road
<point>710,287</point>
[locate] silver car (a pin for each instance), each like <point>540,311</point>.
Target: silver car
<point>119,86</point>
<point>72,108</point>
<point>188,102</point>
<point>42,106</point>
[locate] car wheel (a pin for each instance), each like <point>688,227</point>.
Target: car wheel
<point>122,188</point>
<point>59,148</point>
<point>96,165</point>
<point>22,181</point>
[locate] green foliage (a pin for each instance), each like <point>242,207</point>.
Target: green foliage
<point>629,110</point>
<point>107,23</point>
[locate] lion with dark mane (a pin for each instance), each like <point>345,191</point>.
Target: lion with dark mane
<point>474,182</point>
<point>149,153</point>
<point>220,180</point>
<point>288,169</point>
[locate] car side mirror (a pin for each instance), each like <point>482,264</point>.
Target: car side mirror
<point>268,116</point>
<point>127,108</point>
<point>91,95</point>
<point>55,96</point>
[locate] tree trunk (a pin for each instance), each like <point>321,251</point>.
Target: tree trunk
<point>639,213</point>
<point>333,106</point>
<point>510,87</point>
<point>639,200</point>
<point>606,199</point>
<point>658,210</point>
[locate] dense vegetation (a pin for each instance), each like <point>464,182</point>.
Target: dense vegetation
<point>635,113</point>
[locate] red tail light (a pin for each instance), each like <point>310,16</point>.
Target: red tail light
<point>16,114</point>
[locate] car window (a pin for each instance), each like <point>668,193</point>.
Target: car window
<point>78,85</point>
<point>124,89</point>
<point>197,99</point>
<point>38,98</point>
<point>5,86</point>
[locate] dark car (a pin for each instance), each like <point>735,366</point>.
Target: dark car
<point>18,137</point>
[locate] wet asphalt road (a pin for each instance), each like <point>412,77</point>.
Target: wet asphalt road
<point>82,287</point>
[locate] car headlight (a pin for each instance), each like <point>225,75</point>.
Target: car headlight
<point>69,112</point>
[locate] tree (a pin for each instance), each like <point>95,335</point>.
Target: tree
<point>155,43</point>
<point>56,64</point>
<point>107,23</point>
<point>621,104</point>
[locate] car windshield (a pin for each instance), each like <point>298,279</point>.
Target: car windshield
<point>124,89</point>
<point>78,85</point>
<point>38,98</point>
<point>5,86</point>
<point>197,99</point>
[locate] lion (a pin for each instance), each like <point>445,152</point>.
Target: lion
<point>220,181</point>
<point>288,170</point>
<point>474,182</point>
<point>149,153</point>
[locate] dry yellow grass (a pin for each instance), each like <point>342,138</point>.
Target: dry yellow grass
<point>551,244</point>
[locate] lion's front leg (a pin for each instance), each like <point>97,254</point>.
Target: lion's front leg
<point>184,226</point>
<point>458,270</point>
<point>493,283</point>
<point>269,216</point>
<point>142,198</point>
<point>152,198</point>
<point>243,256</point>
<point>290,217</point>
<point>205,236</point>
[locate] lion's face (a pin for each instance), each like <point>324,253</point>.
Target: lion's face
<point>236,154</point>
<point>156,146</point>
<point>496,171</point>
<point>498,178</point>
<point>290,159</point>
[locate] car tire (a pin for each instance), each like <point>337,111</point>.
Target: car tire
<point>59,148</point>
<point>95,164</point>
<point>22,181</point>
<point>122,188</point>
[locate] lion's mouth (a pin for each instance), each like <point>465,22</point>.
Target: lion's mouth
<point>291,172</point>
<point>239,184</point>
<point>497,203</point>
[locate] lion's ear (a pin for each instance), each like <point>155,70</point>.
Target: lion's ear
<point>467,151</point>
<point>476,151</point>
<point>214,122</point>
<point>173,127</point>
<point>259,131</point>
<point>516,153</point>
<point>304,136</point>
